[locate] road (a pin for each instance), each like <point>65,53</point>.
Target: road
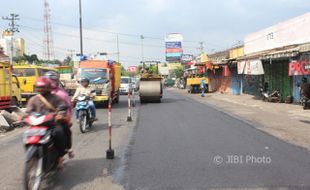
<point>88,170</point>
<point>182,144</point>
<point>179,144</point>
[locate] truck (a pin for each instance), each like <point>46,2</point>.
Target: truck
<point>104,77</point>
<point>194,77</point>
<point>66,77</point>
<point>5,83</point>
<point>27,75</point>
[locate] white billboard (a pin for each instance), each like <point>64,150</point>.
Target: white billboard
<point>174,37</point>
<point>290,32</point>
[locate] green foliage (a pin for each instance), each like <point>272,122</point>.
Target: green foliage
<point>178,72</point>
<point>67,61</point>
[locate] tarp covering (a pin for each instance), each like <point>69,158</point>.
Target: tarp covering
<point>251,67</point>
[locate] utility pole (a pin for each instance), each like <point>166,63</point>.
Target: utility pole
<point>142,48</point>
<point>13,27</point>
<point>71,54</point>
<point>81,32</point>
<point>117,48</point>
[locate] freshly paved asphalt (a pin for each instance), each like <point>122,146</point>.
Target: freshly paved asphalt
<point>182,144</point>
<point>178,144</point>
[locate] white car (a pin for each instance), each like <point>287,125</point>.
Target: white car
<point>126,85</point>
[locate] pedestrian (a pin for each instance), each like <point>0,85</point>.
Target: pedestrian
<point>203,86</point>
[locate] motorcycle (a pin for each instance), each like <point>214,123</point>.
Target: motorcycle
<point>274,96</point>
<point>305,102</point>
<point>41,154</point>
<point>83,113</point>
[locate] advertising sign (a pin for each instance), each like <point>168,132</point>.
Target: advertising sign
<point>187,57</point>
<point>251,67</point>
<point>173,45</point>
<point>175,50</point>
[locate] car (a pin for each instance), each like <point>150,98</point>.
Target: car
<point>135,83</point>
<point>126,85</point>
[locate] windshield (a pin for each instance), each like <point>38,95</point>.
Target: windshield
<point>95,76</point>
<point>125,80</point>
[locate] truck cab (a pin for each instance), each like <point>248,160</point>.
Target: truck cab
<point>16,92</point>
<point>104,77</point>
<point>27,75</point>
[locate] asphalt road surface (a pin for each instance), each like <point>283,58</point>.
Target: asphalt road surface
<point>182,144</point>
<point>178,144</point>
<point>87,171</point>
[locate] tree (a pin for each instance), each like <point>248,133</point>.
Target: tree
<point>178,72</point>
<point>124,72</point>
<point>67,60</point>
<point>18,59</point>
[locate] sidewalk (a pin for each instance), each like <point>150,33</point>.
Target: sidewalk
<point>288,122</point>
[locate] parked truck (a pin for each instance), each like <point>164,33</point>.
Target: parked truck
<point>104,76</point>
<point>194,77</point>
<point>5,83</point>
<point>27,75</point>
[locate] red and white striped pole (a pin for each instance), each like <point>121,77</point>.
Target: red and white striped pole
<point>110,151</point>
<point>129,118</point>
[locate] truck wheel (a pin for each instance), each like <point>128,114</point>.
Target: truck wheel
<point>14,102</point>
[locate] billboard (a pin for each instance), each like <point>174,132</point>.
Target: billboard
<point>187,57</point>
<point>290,32</point>
<point>174,49</point>
<point>173,45</point>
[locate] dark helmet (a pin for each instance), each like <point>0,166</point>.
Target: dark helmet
<point>84,80</point>
<point>52,75</point>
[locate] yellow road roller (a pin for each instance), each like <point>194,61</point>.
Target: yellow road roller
<point>150,88</point>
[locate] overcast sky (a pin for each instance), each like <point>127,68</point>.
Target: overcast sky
<point>220,24</point>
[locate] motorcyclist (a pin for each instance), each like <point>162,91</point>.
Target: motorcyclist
<point>46,102</point>
<point>60,92</point>
<point>88,91</point>
<point>305,88</point>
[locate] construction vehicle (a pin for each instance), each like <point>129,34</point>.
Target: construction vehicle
<point>194,77</point>
<point>27,75</point>
<point>104,77</point>
<point>150,87</point>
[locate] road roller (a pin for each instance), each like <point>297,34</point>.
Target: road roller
<point>150,88</point>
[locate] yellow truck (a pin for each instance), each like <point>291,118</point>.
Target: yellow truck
<point>104,76</point>
<point>193,83</point>
<point>5,83</point>
<point>27,75</point>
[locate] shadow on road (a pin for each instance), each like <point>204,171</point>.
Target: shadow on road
<point>81,173</point>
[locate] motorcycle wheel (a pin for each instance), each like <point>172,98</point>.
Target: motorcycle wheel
<point>33,173</point>
<point>82,121</point>
<point>304,105</point>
